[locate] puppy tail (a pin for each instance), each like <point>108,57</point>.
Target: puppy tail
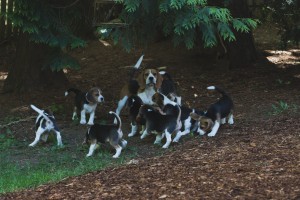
<point>41,112</point>
<point>139,62</point>
<point>118,118</point>
<point>76,91</point>
<point>218,90</point>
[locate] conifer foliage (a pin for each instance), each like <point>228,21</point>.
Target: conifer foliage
<point>45,23</point>
<point>185,21</point>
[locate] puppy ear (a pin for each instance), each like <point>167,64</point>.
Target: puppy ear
<point>142,82</point>
<point>195,116</point>
<point>90,97</point>
<point>208,123</point>
<point>159,80</point>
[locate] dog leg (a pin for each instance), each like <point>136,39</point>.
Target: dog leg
<point>145,133</point>
<point>230,119</point>
<point>201,132</point>
<point>121,104</point>
<point>123,143</point>
<point>91,119</point>
<point>58,137</point>
<point>82,117</point>
<point>74,113</point>
<point>142,130</point>
<point>223,120</point>
<point>39,132</point>
<point>92,149</point>
<point>214,129</point>
<point>187,129</point>
<point>118,151</point>
<point>169,140</point>
<point>158,138</point>
<point>133,130</point>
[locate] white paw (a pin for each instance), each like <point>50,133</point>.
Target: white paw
<point>88,155</point>
<point>115,156</point>
<point>131,134</point>
<point>176,139</point>
<point>82,121</point>
<point>91,123</point>
<point>143,136</point>
<point>157,142</point>
<point>211,134</point>
<point>201,132</point>
<point>165,146</point>
<point>230,121</point>
<point>31,145</point>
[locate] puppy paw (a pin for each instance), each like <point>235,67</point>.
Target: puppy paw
<point>211,134</point>
<point>82,121</point>
<point>131,134</point>
<point>157,142</point>
<point>201,132</point>
<point>115,156</point>
<point>175,140</point>
<point>165,146</point>
<point>88,155</point>
<point>90,123</point>
<point>31,145</point>
<point>230,121</point>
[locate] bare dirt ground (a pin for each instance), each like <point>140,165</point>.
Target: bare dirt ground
<point>256,158</point>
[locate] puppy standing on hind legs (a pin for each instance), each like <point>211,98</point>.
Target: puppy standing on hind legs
<point>111,133</point>
<point>45,122</point>
<point>216,114</point>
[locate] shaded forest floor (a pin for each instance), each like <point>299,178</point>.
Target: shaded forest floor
<point>256,158</point>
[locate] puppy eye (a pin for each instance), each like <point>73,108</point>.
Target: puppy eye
<point>154,74</point>
<point>146,74</point>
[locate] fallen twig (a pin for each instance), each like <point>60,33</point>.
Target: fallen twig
<point>16,122</point>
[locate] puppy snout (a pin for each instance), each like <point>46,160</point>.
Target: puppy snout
<point>101,99</point>
<point>151,79</point>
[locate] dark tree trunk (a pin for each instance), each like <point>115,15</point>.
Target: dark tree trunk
<point>242,52</point>
<point>27,73</point>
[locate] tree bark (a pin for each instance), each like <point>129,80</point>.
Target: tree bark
<point>29,71</point>
<point>242,52</point>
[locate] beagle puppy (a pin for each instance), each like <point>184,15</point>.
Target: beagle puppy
<point>45,122</point>
<point>188,123</point>
<point>216,114</point>
<point>111,133</point>
<point>143,83</point>
<point>134,103</point>
<point>86,103</point>
<point>169,88</point>
<point>160,124</point>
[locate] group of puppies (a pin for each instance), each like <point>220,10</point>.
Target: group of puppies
<point>154,105</point>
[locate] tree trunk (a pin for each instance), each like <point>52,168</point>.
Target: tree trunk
<point>27,73</point>
<point>242,52</point>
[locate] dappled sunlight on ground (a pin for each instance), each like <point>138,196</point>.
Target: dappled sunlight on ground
<point>284,59</point>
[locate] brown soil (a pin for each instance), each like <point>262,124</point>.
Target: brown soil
<point>256,158</point>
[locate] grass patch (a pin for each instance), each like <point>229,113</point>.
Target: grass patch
<point>24,167</point>
<point>283,107</point>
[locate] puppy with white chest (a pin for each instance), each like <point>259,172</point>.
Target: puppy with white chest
<point>111,133</point>
<point>216,114</point>
<point>160,124</point>
<point>45,122</point>
<point>86,103</point>
<point>187,122</point>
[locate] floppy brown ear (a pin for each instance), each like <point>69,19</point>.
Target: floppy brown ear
<point>90,97</point>
<point>159,80</point>
<point>140,79</point>
<point>208,123</point>
<point>195,116</point>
